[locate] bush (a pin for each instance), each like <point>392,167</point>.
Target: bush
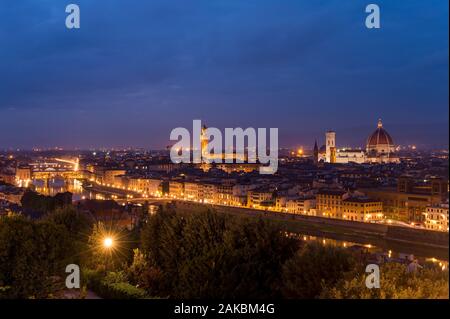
<point>5,292</point>
<point>111,285</point>
<point>121,290</point>
<point>91,278</point>
<point>395,283</point>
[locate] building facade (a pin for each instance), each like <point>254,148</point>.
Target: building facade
<point>362,210</point>
<point>379,148</point>
<point>301,206</point>
<point>408,201</point>
<point>330,203</point>
<point>436,218</point>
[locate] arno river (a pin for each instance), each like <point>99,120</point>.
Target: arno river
<point>74,186</point>
<point>380,250</point>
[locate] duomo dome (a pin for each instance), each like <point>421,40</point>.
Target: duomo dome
<point>380,142</point>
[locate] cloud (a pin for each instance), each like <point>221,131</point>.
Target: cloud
<point>254,61</point>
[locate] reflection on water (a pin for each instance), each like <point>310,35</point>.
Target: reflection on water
<point>376,254</point>
<point>57,185</point>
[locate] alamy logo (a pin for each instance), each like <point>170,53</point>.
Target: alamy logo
<point>73,279</point>
<point>373,19</point>
<point>73,19</point>
<point>207,146</point>
<point>373,277</point>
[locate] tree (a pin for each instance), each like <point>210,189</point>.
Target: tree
<point>34,202</point>
<point>78,225</point>
<point>209,255</point>
<point>62,200</point>
<point>395,283</point>
<point>143,275</point>
<point>31,252</point>
<point>313,267</point>
<point>109,258</point>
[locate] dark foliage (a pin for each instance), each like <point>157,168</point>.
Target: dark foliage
<point>313,267</point>
<point>208,255</point>
<point>41,204</point>
<point>30,254</point>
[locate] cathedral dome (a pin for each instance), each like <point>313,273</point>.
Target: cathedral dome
<point>380,141</point>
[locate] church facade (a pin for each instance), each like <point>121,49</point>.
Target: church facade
<point>380,148</point>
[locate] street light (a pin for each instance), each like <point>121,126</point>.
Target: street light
<point>108,242</point>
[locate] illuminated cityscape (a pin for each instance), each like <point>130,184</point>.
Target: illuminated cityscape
<point>388,200</point>
<point>330,179</point>
<point>322,183</point>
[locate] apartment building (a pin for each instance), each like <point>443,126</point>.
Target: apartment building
<point>301,206</point>
<point>362,209</point>
<point>436,217</point>
<point>330,202</point>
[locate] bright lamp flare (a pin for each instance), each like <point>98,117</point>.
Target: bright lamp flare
<point>108,242</point>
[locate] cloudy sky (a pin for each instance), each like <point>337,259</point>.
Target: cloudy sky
<point>137,69</point>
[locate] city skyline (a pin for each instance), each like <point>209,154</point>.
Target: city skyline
<point>130,75</point>
<point>408,144</point>
<point>242,154</point>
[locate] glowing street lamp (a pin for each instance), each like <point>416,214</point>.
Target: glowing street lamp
<point>108,245</point>
<point>108,242</point>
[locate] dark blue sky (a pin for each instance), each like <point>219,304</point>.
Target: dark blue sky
<point>137,69</point>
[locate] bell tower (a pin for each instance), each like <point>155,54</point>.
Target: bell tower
<point>316,153</point>
<point>330,146</point>
<point>204,142</point>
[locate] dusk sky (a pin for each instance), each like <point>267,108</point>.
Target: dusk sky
<point>137,69</point>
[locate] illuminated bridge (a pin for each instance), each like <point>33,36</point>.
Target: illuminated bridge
<point>54,169</point>
<point>64,174</point>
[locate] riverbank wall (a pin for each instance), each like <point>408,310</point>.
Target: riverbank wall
<point>334,227</point>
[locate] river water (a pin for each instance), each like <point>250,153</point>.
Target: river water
<point>57,185</point>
